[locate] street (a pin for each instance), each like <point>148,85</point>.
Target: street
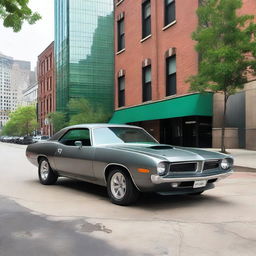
<point>76,218</point>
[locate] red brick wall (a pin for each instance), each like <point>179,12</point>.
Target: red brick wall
<point>154,48</point>
<point>249,7</point>
<point>152,127</point>
<point>46,88</point>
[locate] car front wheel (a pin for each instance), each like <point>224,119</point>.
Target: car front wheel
<point>121,189</point>
<point>45,173</point>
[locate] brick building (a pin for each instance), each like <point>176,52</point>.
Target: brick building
<point>155,55</point>
<point>46,88</point>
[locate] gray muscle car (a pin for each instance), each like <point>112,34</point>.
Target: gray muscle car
<point>127,160</point>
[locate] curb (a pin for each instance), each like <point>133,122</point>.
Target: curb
<point>244,169</point>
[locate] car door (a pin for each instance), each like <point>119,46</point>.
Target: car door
<point>73,160</point>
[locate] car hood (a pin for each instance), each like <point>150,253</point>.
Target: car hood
<point>170,153</point>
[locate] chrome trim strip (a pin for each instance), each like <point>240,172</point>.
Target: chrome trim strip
<point>156,179</point>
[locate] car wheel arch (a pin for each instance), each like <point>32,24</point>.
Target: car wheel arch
<point>112,166</point>
<point>41,157</point>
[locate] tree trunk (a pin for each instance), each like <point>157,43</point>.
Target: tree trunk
<point>223,149</point>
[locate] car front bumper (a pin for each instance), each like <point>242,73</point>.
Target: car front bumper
<point>156,179</point>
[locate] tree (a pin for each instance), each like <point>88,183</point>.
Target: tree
<point>227,49</point>
<point>10,129</point>
<point>82,111</point>
<point>15,12</point>
<point>58,120</point>
<point>22,122</point>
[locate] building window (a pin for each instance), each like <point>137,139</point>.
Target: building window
<point>146,90</point>
<point>50,61</point>
<point>146,19</point>
<point>171,75</point>
<point>169,11</point>
<point>121,34</point>
<point>121,91</point>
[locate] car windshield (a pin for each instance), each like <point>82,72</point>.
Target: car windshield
<point>120,135</point>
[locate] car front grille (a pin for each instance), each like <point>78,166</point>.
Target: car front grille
<point>183,167</point>
<point>211,165</point>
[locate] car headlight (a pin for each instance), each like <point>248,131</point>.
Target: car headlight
<point>162,169</point>
<point>225,164</point>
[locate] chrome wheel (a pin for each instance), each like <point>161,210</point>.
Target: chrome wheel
<point>118,185</point>
<point>44,170</point>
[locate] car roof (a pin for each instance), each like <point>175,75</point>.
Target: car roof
<point>106,125</point>
<point>60,133</point>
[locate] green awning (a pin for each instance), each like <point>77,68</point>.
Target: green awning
<point>189,105</point>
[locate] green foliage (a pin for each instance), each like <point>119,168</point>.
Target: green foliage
<point>227,50</point>
<point>22,122</point>
<point>83,112</point>
<point>58,120</point>
<point>224,39</point>
<point>15,12</point>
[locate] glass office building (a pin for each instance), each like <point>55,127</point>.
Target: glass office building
<point>84,52</point>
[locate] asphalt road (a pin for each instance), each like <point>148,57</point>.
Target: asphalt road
<point>76,218</point>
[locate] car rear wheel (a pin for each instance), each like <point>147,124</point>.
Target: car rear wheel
<point>45,173</point>
<point>121,189</point>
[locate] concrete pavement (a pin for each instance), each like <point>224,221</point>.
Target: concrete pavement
<point>79,219</point>
<point>23,233</point>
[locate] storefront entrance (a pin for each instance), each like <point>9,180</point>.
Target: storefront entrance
<point>191,131</point>
<point>194,131</point>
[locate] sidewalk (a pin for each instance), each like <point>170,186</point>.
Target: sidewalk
<point>244,159</point>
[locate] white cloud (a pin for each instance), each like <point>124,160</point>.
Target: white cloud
<point>32,39</point>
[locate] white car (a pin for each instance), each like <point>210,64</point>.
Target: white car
<point>40,138</point>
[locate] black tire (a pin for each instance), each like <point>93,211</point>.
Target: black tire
<point>46,177</point>
<point>196,193</point>
<point>131,193</point>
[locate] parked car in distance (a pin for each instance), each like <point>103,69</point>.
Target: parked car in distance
<point>7,139</point>
<point>126,160</point>
<point>20,140</point>
<point>40,138</point>
<point>2,138</point>
<point>27,140</point>
<point>14,139</point>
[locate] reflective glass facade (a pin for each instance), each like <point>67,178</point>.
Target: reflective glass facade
<point>84,52</point>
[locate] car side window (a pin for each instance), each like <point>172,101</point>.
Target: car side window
<point>74,135</point>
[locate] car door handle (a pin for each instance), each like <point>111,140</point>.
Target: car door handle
<point>59,150</point>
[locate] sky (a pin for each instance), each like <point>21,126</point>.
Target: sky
<point>32,39</point>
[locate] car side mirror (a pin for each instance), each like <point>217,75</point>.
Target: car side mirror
<point>79,144</point>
